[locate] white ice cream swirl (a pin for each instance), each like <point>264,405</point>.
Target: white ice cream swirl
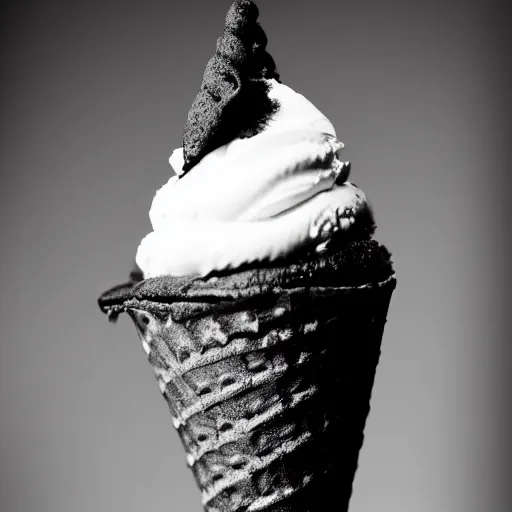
<point>254,199</point>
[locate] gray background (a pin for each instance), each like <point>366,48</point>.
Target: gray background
<point>94,98</point>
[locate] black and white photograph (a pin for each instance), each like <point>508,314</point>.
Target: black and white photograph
<point>255,256</point>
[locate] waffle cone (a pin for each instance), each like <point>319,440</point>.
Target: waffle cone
<point>269,392</point>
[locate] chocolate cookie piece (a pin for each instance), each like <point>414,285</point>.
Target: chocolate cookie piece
<point>233,100</point>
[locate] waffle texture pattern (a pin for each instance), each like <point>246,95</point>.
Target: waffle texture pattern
<point>269,389</point>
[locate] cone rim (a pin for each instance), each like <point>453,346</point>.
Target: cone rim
<point>115,307</point>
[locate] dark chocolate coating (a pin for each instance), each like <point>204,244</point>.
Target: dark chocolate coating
<point>357,263</point>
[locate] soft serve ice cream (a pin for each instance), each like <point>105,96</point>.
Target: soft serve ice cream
<point>255,199</point>
<point>259,176</point>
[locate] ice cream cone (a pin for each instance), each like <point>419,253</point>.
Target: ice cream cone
<point>262,296</point>
<point>268,385</point>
